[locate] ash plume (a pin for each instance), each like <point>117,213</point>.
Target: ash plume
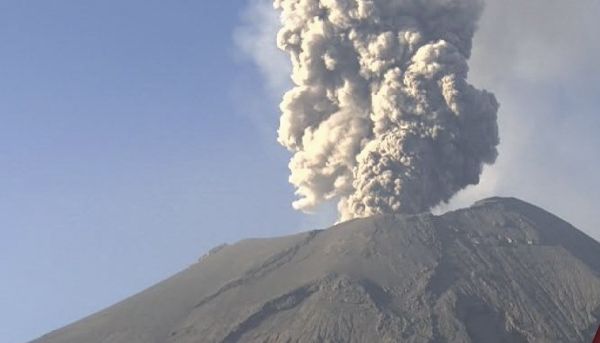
<point>381,116</point>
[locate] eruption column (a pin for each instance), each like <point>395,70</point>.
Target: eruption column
<point>381,117</point>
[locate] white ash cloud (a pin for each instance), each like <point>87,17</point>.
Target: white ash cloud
<point>381,117</point>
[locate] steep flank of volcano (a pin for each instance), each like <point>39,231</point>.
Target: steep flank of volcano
<point>500,271</point>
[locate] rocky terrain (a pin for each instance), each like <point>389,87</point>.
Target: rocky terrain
<point>500,271</point>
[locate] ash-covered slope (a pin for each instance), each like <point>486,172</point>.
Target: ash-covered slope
<point>500,271</point>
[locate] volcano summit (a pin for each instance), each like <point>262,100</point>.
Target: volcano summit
<point>500,271</point>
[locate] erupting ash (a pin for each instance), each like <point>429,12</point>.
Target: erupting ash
<point>381,116</point>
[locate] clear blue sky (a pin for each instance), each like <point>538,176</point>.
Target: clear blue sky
<point>125,152</point>
<point>135,136</point>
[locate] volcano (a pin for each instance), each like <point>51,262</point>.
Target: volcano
<point>502,270</point>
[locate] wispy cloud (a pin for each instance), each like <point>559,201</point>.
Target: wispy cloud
<point>255,38</point>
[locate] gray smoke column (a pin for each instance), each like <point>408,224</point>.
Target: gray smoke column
<point>381,116</point>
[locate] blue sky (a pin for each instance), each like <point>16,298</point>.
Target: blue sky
<point>136,135</point>
<point>125,152</point>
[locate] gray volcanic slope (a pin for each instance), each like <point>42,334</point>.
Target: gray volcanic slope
<point>500,271</point>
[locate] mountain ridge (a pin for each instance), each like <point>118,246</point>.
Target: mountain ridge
<point>502,270</point>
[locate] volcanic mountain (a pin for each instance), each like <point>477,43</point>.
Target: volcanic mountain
<point>500,271</point>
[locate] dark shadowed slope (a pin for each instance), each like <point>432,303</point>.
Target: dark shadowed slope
<point>500,271</point>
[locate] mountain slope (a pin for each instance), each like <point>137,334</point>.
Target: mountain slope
<point>500,271</point>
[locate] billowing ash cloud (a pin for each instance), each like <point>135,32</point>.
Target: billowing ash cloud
<point>381,116</point>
